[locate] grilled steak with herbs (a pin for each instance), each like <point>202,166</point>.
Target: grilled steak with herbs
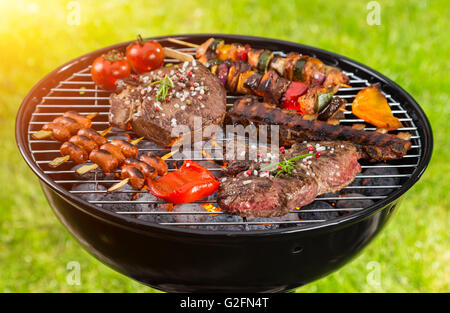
<point>251,192</point>
<point>141,103</point>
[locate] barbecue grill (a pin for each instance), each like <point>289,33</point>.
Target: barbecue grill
<point>184,257</point>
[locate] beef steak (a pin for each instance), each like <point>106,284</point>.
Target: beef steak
<point>195,93</point>
<point>251,193</point>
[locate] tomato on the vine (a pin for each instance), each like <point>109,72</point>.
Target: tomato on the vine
<point>144,56</point>
<point>108,68</point>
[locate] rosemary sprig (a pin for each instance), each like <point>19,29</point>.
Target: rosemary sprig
<point>163,88</point>
<point>285,166</point>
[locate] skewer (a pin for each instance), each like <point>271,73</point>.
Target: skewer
<point>119,185</point>
<point>43,134</point>
<point>183,43</point>
<point>178,55</point>
<point>90,167</point>
<point>60,160</point>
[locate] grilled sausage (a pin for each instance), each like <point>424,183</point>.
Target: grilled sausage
<point>59,132</point>
<point>84,142</point>
<point>93,135</point>
<point>144,168</point>
<point>115,151</point>
<point>128,150</point>
<point>80,119</point>
<point>106,160</point>
<point>69,123</point>
<point>77,154</point>
<point>374,146</point>
<point>137,179</point>
<point>155,162</point>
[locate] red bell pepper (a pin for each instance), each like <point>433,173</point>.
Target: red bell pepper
<point>189,183</point>
<point>294,91</point>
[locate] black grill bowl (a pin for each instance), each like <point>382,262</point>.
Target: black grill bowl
<point>183,260</point>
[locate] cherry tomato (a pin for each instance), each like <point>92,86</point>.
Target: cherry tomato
<point>145,56</point>
<point>108,68</point>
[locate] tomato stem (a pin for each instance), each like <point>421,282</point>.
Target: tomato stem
<point>140,40</point>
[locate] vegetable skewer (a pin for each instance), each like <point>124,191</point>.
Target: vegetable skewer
<point>294,67</point>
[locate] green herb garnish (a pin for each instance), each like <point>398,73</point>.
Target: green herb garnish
<point>163,88</point>
<point>285,166</point>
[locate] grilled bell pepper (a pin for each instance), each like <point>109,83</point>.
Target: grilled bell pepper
<point>371,106</point>
<point>189,183</point>
<point>293,92</point>
<point>323,100</point>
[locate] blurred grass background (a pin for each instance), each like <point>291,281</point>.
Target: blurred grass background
<point>411,46</point>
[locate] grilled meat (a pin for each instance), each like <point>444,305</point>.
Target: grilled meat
<point>156,162</point>
<point>261,195</point>
<point>77,154</point>
<point>192,91</point>
<point>106,160</point>
<point>137,179</point>
<point>128,150</point>
<point>64,126</point>
<point>93,135</point>
<point>374,146</point>
<point>84,143</point>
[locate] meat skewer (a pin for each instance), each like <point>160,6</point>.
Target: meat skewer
<point>294,67</point>
<point>374,146</point>
<point>135,171</point>
<point>79,146</point>
<point>238,77</point>
<point>110,155</point>
<point>65,126</point>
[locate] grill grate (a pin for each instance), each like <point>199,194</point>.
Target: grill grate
<point>79,93</point>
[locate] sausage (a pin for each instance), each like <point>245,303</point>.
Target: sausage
<point>59,132</point>
<point>106,160</point>
<point>84,142</point>
<point>137,179</point>
<point>93,135</point>
<point>144,168</point>
<point>80,119</point>
<point>156,162</point>
<point>77,154</point>
<point>68,123</point>
<point>374,146</point>
<point>128,150</point>
<point>115,151</point>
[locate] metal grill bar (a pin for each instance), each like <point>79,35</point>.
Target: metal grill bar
<point>79,92</point>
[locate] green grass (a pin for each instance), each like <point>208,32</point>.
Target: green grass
<point>410,46</point>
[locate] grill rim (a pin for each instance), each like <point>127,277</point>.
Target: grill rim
<point>39,90</point>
